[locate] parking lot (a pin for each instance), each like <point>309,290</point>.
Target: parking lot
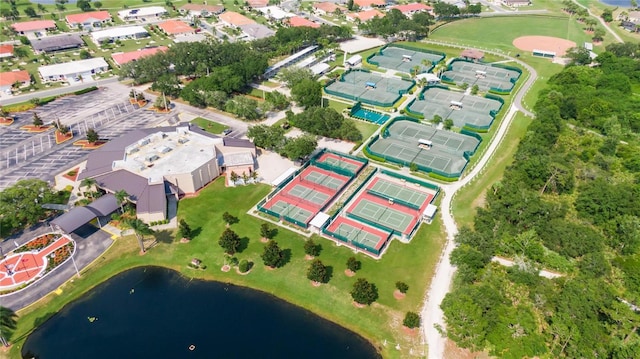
<point>36,155</point>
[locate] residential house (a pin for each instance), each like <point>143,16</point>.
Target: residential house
<point>275,13</point>
<point>33,29</point>
<point>119,33</point>
<point>122,58</point>
<point>8,79</point>
<point>201,10</point>
<point>298,21</point>
<point>256,31</point>
<point>57,43</point>
<point>6,51</point>
<point>73,71</point>
<point>472,55</point>
<point>633,16</point>
<point>410,9</point>
<point>370,4</point>
<point>364,16</point>
<point>143,13</point>
<point>89,20</point>
<point>327,8</point>
<point>233,19</point>
<point>176,28</point>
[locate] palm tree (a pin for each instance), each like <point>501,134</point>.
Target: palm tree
<point>440,68</point>
<point>8,322</point>
<point>88,182</point>
<point>140,229</point>
<point>121,197</point>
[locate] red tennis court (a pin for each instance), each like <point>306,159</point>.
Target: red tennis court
<point>24,267</point>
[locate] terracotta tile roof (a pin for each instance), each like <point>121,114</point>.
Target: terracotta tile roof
<point>298,21</point>
<point>6,49</point>
<point>328,7</point>
<point>258,3</point>
<point>124,57</point>
<point>9,78</point>
<point>235,19</point>
<point>369,3</point>
<point>366,15</point>
<point>34,25</point>
<point>83,17</point>
<point>412,7</point>
<point>173,27</point>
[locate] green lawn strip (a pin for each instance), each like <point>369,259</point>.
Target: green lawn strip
<point>209,126</point>
<point>472,196</point>
<point>411,263</point>
<point>366,128</point>
<point>338,105</point>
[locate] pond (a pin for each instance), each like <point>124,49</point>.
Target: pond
<point>621,3</point>
<point>153,312</point>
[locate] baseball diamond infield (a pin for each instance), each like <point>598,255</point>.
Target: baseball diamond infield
<point>545,43</point>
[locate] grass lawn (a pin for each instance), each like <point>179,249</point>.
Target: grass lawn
<point>472,196</point>
<point>339,105</point>
<point>209,126</point>
<point>366,128</point>
<point>412,263</point>
<point>498,33</point>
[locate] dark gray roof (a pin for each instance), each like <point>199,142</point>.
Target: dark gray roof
<point>101,160</point>
<point>236,142</point>
<point>79,216</point>
<point>118,180</point>
<point>105,205</point>
<point>55,43</point>
<point>152,199</point>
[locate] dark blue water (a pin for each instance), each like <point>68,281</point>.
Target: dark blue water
<point>167,313</point>
<point>621,3</point>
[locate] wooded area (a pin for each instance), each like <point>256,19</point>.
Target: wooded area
<point>569,203</point>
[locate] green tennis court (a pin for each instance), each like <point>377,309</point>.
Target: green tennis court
<point>308,194</point>
<point>388,189</point>
<point>324,180</point>
<point>289,210</point>
<point>351,167</point>
<point>357,235</point>
<point>384,215</point>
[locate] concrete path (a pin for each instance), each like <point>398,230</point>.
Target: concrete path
<point>432,315</point>
<point>602,22</point>
<point>509,263</point>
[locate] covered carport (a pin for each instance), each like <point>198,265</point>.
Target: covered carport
<point>79,216</point>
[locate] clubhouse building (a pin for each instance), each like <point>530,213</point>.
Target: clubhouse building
<point>152,165</point>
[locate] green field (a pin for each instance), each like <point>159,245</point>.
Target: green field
<point>412,263</point>
<point>498,33</point>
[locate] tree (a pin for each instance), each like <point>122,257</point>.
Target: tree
<point>448,124</point>
<point>317,272</point>
<point>92,136</point>
<point>273,256</point>
<point>293,75</point>
<point>229,219</point>
<point>37,121</point>
<point>598,34</point>
<point>140,229</point>
<point>307,93</point>
<point>30,11</point>
<point>402,287</point>
<point>8,323</point>
<point>184,230</point>
<point>411,320</point>
<point>84,54</point>
<point>353,264</point>
<point>42,9</point>
<point>229,241</point>
<point>437,119</point>
<point>607,15</point>
<point>475,89</point>
<point>364,292</point>
<point>162,103</point>
<point>84,5</point>
<point>97,5</point>
<point>265,231</point>
<point>23,200</point>
<point>167,83</point>
<point>300,147</point>
<point>20,51</point>
<point>311,248</point>
<point>121,197</point>
<point>4,113</point>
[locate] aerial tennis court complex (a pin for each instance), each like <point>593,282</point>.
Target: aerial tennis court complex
<point>370,88</point>
<point>488,77</point>
<point>304,194</point>
<point>405,142</point>
<point>473,112</point>
<point>385,206</point>
<point>405,59</point>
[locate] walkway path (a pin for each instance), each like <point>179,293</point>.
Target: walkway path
<point>432,315</point>
<point>602,22</point>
